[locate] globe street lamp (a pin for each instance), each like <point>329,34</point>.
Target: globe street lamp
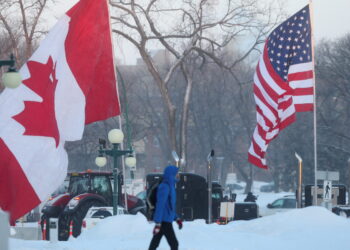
<point>115,136</point>
<point>101,161</point>
<point>11,79</point>
<point>130,161</point>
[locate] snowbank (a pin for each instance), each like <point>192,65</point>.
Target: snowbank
<point>307,228</point>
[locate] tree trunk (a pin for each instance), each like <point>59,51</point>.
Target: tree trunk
<point>248,187</point>
<point>184,120</point>
<point>246,179</point>
<point>276,180</point>
<point>171,127</point>
<point>171,109</point>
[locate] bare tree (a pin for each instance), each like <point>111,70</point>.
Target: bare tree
<point>192,32</point>
<point>333,58</point>
<point>20,21</point>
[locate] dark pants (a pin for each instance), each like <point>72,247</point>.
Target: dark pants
<point>167,230</point>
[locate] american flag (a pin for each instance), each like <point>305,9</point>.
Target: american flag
<point>283,82</point>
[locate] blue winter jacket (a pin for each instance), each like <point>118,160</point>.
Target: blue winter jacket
<point>166,197</point>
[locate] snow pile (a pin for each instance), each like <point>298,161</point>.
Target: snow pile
<point>307,228</point>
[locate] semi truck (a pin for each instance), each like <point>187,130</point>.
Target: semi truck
<point>192,198</point>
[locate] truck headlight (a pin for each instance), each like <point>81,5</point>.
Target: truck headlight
<point>53,199</point>
<point>73,202</point>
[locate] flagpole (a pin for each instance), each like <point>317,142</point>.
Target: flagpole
<point>119,117</point>
<point>314,88</point>
<point>114,64</point>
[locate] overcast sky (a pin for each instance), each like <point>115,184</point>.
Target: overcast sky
<point>331,20</point>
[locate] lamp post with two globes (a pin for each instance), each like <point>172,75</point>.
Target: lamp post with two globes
<point>115,136</point>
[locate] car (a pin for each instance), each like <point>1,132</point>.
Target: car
<point>282,204</point>
<point>267,188</point>
<point>342,210</point>
<point>234,186</point>
<point>142,195</point>
<point>95,214</point>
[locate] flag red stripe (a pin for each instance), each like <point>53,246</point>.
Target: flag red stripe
<point>256,161</point>
<point>287,122</point>
<point>258,93</point>
<point>274,96</point>
<point>267,121</point>
<point>303,91</point>
<point>17,195</point>
<point>91,61</point>
<point>304,107</point>
<point>300,76</point>
<point>261,132</point>
<point>257,149</point>
<point>285,104</point>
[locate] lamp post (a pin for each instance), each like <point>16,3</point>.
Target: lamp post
<point>115,136</point>
<point>300,160</point>
<point>11,79</point>
<point>349,181</point>
<point>209,159</point>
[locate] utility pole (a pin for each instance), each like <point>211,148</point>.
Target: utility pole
<point>210,159</point>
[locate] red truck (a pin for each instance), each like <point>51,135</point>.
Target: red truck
<point>86,189</point>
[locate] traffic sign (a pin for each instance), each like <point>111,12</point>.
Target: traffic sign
<point>327,190</point>
<point>327,175</point>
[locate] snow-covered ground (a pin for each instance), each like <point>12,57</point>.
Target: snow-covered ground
<point>308,228</point>
<point>312,228</point>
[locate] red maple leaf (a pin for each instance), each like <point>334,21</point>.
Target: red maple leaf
<point>38,118</point>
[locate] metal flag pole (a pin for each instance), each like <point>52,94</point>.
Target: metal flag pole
<point>314,87</point>
<point>119,106</point>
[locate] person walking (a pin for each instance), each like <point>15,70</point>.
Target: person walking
<point>250,197</point>
<point>165,211</point>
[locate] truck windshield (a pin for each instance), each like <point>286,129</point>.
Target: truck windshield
<point>101,185</point>
<point>78,185</point>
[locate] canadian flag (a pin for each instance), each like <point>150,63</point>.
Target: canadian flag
<point>68,82</point>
